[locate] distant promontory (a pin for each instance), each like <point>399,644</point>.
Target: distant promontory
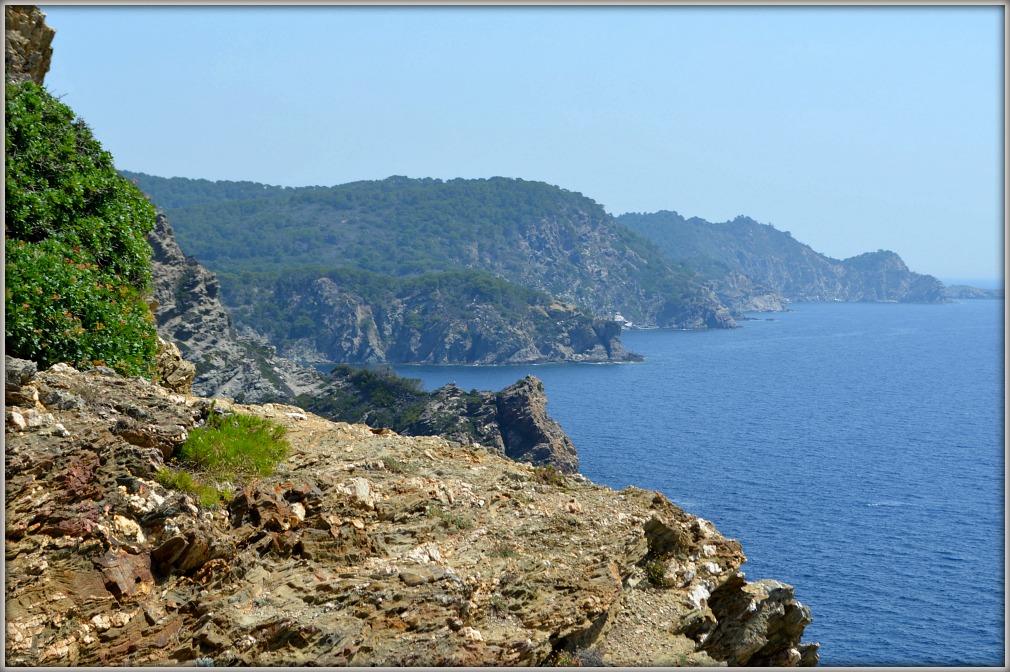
<point>756,267</point>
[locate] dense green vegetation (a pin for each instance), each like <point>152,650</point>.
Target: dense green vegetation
<point>267,301</point>
<point>397,226</point>
<point>713,249</point>
<point>377,396</point>
<point>77,260</point>
<point>528,233</point>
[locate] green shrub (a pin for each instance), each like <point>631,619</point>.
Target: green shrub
<point>183,481</point>
<point>396,466</point>
<point>450,520</point>
<point>77,257</point>
<point>655,570</point>
<point>236,445</point>
<point>227,448</point>
<point>549,475</point>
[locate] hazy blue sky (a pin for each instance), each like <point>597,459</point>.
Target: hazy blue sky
<point>855,128</point>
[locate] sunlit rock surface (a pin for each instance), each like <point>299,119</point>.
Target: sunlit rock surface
<point>364,547</point>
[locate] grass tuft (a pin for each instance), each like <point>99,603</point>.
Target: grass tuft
<point>228,448</point>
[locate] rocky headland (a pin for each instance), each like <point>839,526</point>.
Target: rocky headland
<point>363,548</point>
<point>531,235</point>
<point>756,267</point>
<point>962,292</point>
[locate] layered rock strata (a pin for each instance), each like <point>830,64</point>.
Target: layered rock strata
<point>363,548</point>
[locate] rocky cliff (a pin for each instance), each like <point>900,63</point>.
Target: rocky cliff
<point>245,367</point>
<point>513,423</point>
<point>757,267</point>
<point>27,43</point>
<point>883,276</point>
<point>189,312</point>
<point>363,548</point>
<point>450,318</point>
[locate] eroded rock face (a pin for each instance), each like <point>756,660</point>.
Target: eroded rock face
<point>190,313</point>
<point>364,547</point>
<point>27,43</point>
<point>174,372</point>
<point>423,327</point>
<point>743,295</point>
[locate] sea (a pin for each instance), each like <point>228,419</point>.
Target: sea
<point>856,451</point>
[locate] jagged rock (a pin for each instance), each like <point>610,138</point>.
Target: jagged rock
<point>18,376</point>
<point>189,313</point>
<point>174,372</point>
<point>465,417</point>
<point>513,423</point>
<point>18,372</point>
<point>462,558</point>
<point>27,43</point>
<point>759,624</point>
<point>529,434</point>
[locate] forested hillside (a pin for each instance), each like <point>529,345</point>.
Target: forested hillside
<point>529,233</point>
<point>772,261</point>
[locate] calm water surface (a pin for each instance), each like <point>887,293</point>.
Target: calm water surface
<point>855,450</point>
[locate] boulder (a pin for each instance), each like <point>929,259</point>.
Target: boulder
<point>174,372</point>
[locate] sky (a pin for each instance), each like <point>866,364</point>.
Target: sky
<point>854,128</point>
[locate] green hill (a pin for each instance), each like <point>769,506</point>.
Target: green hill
<point>528,233</point>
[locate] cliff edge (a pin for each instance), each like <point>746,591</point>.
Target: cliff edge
<point>28,42</point>
<point>364,547</point>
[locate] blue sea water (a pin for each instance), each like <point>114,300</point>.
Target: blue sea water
<point>855,450</point>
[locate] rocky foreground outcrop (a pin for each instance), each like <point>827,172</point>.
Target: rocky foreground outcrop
<point>364,547</point>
